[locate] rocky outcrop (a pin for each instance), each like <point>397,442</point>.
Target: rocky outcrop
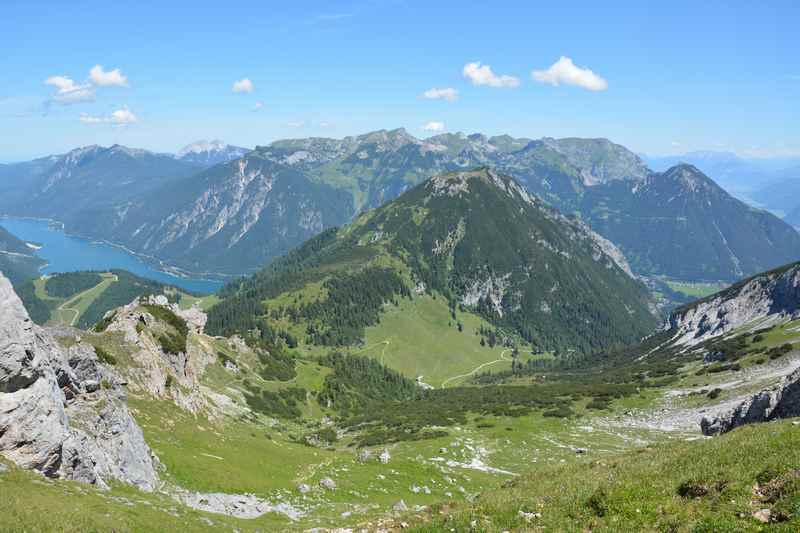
<point>767,298</point>
<point>781,401</point>
<point>62,412</point>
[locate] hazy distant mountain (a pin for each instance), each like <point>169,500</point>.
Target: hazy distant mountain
<point>68,187</point>
<point>783,194</point>
<point>734,173</point>
<point>235,216</point>
<point>17,260</point>
<point>209,153</point>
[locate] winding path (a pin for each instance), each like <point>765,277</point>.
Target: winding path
<point>477,368</point>
<point>63,307</point>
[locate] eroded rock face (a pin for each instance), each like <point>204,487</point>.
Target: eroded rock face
<point>773,296</point>
<point>63,413</point>
<point>781,401</point>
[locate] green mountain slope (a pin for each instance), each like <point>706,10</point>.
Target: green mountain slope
<point>475,238</point>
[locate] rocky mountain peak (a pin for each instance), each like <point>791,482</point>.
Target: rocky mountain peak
<point>690,178</point>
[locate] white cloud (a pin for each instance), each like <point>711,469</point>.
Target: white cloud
<point>258,105</point>
<point>243,86</point>
<point>112,78</point>
<point>295,124</point>
<point>123,116</point>
<point>120,117</point>
<point>482,75</point>
<point>448,93</point>
<point>433,126</point>
<point>69,92</point>
<point>565,71</point>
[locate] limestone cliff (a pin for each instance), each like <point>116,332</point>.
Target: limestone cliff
<point>62,412</point>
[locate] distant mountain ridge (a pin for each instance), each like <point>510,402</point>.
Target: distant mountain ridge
<point>236,216</point>
<point>210,153</point>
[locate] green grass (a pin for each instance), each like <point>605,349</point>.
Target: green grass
<point>32,503</point>
<point>416,340</point>
<point>696,289</point>
<point>639,490</point>
<point>205,302</point>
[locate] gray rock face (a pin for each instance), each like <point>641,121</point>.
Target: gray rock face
<point>62,413</point>
<point>773,296</point>
<point>781,401</point>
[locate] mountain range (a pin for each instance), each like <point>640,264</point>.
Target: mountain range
<point>676,224</point>
<point>476,238</point>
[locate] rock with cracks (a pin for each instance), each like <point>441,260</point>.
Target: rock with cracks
<point>781,401</point>
<point>62,412</point>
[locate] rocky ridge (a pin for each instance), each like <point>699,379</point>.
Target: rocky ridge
<point>62,412</point>
<point>780,401</point>
<point>760,301</point>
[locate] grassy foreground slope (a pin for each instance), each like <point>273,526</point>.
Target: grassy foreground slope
<point>722,484</point>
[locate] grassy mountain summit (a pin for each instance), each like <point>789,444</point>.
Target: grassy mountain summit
<point>476,238</point>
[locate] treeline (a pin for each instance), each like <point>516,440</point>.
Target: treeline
<point>353,302</point>
<point>69,284</point>
<point>318,258</point>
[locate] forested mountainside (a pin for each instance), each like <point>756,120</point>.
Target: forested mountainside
<point>677,224</point>
<point>475,238</point>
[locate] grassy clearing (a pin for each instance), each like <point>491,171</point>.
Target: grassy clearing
<point>696,289</point>
<point>679,486</point>
<point>419,338</point>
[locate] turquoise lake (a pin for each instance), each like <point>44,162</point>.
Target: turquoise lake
<point>67,253</point>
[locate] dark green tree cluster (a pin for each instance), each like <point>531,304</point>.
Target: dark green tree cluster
<point>356,381</point>
<point>284,403</point>
<point>353,303</point>
<point>69,284</point>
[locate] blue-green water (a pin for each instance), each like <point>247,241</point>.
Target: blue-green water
<point>66,253</point>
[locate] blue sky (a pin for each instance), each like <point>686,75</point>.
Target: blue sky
<point>667,77</point>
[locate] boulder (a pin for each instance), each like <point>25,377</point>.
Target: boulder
<point>327,483</point>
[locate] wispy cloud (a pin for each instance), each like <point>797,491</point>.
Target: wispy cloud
<point>483,75</point>
<point>243,86</point>
<point>69,92</point>
<point>120,117</point>
<point>565,71</point>
<point>433,126</point>
<point>258,106</point>
<point>448,93</point>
